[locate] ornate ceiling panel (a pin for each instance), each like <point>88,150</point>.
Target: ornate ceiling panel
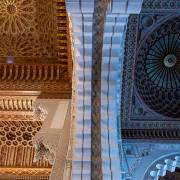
<point>20,120</point>
<point>150,104</point>
<point>35,47</point>
<point>16,148</point>
<point>28,28</point>
<point>18,133</point>
<point>157,72</point>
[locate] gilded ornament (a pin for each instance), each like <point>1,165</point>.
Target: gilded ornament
<point>16,16</point>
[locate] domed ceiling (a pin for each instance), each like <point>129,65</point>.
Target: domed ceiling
<point>157,72</point>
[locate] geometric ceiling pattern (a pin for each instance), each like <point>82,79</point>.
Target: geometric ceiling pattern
<point>34,56</point>
<point>34,51</point>
<point>157,71</point>
<point>19,123</point>
<point>151,77</point>
<point>27,28</point>
<point>17,151</point>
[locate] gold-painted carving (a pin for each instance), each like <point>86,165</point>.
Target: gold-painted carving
<point>33,28</point>
<point>17,16</point>
<point>25,171</point>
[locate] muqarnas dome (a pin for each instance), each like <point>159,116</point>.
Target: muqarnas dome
<point>157,72</point>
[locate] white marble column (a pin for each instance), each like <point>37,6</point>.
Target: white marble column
<point>81,14</point>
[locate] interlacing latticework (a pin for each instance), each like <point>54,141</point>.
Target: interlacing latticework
<point>27,28</point>
<point>33,49</point>
<point>17,16</point>
<point>30,28</point>
<point>18,133</point>
<point>16,140</point>
<point>25,171</point>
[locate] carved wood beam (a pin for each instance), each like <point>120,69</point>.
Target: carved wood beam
<point>33,72</point>
<point>18,105</point>
<point>17,171</point>
<point>52,80</point>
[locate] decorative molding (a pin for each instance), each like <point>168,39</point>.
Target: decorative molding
<point>17,103</point>
<point>149,124</point>
<point>151,134</point>
<point>34,51</point>
<point>25,171</point>
<point>24,177</point>
<point>33,72</point>
<point>49,90</point>
<point>16,116</point>
<point>79,12</point>
<point>129,60</point>
<point>21,105</point>
<point>160,6</point>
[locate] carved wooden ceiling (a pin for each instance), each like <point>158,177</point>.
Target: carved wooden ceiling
<point>35,47</point>
<point>18,125</point>
<point>35,56</point>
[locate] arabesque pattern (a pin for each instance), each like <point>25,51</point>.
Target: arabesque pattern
<point>17,16</point>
